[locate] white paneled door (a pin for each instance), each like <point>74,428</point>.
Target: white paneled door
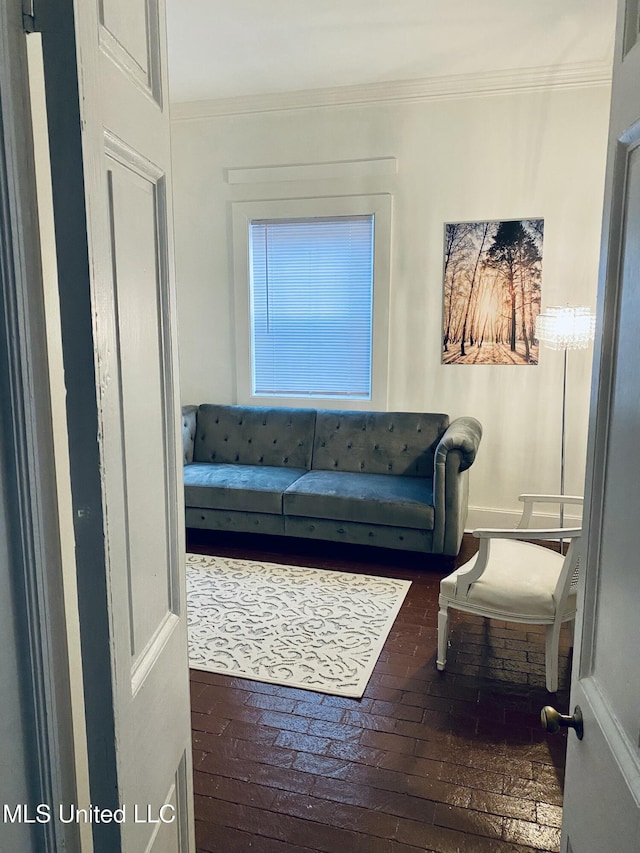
<point>107,105</point>
<point>602,793</point>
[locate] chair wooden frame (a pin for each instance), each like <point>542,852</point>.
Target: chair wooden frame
<point>566,582</point>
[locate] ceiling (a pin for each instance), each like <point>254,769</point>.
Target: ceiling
<point>230,48</point>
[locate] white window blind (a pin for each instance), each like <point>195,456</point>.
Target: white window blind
<point>312,306</point>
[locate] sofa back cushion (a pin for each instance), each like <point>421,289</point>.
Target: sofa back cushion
<point>378,442</point>
<point>252,435</point>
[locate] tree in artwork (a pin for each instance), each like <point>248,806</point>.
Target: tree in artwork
<point>492,285</point>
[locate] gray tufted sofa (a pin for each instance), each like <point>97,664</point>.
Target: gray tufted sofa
<point>393,479</point>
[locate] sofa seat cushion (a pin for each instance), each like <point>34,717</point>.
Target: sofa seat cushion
<point>249,488</point>
<point>368,498</point>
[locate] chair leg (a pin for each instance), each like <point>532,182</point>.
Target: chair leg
<point>552,643</point>
<point>443,636</point>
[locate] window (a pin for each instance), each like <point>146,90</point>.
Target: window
<point>311,292</point>
<point>311,300</point>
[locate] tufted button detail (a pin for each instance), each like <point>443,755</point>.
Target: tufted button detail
<point>340,530</point>
<point>285,460</point>
<point>371,534</point>
<point>335,463</point>
<point>404,448</point>
<point>237,457</point>
<point>362,466</point>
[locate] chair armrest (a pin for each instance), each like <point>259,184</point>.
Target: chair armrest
<point>528,533</point>
<point>552,499</point>
<point>530,500</point>
<point>464,435</point>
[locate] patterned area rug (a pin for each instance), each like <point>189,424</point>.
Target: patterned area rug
<point>311,628</point>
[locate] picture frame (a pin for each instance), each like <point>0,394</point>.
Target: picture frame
<point>492,283</point>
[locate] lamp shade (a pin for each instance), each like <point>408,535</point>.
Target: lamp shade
<point>566,327</point>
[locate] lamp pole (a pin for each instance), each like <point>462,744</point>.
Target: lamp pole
<point>569,327</point>
<point>564,420</point>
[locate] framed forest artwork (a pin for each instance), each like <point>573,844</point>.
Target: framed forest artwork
<point>492,284</point>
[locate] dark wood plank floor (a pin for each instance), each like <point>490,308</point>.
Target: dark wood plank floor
<point>425,761</point>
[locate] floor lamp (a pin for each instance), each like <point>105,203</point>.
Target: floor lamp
<point>565,328</point>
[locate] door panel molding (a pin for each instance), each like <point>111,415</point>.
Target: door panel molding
<point>624,751</point>
<point>631,26</point>
<point>140,365</point>
<point>129,161</point>
<point>147,657</point>
<point>144,71</point>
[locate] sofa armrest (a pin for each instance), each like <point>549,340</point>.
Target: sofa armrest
<point>463,435</point>
<point>188,433</point>
<point>455,453</point>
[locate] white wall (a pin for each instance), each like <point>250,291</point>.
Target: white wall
<point>533,154</point>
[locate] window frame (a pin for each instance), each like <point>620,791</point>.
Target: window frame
<point>379,205</point>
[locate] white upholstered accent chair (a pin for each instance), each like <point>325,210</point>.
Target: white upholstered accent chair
<point>517,581</point>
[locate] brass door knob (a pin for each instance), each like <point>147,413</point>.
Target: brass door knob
<point>553,721</point>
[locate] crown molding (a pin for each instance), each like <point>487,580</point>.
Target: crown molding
<point>486,84</point>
